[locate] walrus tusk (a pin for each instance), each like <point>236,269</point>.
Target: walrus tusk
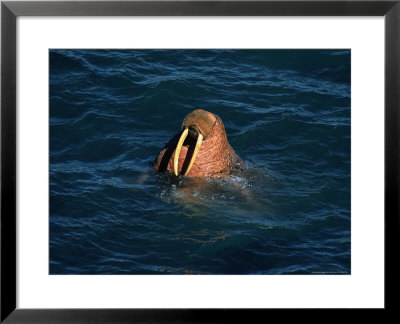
<point>196,149</point>
<point>178,150</point>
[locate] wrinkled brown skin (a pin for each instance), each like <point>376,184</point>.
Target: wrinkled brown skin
<point>216,158</point>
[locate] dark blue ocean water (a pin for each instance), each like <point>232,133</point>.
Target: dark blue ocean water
<point>287,115</point>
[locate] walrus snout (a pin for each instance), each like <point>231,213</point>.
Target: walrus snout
<point>198,122</point>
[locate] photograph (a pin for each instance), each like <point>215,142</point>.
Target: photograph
<point>199,161</point>
<point>190,161</point>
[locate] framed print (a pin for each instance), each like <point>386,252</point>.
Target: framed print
<point>195,160</point>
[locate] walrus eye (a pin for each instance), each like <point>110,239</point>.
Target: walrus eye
<point>179,147</point>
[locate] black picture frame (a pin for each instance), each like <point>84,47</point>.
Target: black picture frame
<point>10,10</point>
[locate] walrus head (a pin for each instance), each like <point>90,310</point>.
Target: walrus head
<point>200,149</point>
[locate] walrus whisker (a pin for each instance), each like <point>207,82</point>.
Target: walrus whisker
<point>196,150</point>
<point>178,150</point>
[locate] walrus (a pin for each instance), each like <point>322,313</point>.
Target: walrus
<point>200,149</point>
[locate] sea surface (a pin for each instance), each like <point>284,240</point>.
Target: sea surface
<point>286,114</point>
